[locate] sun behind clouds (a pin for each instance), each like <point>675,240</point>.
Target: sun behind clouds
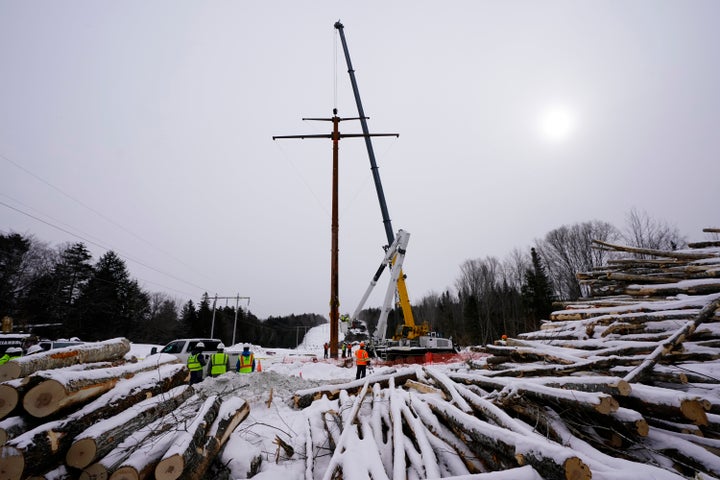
<point>557,123</point>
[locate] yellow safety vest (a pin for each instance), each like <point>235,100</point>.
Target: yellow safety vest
<point>246,363</point>
<point>218,363</point>
<point>194,364</point>
<point>4,359</point>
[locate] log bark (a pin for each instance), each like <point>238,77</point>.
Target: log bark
<point>658,253</point>
<point>109,350</point>
<point>231,413</point>
<point>39,449</point>
<point>667,404</point>
<point>12,391</point>
<point>597,402</point>
<point>551,461</point>
<point>304,398</point>
<point>137,456</point>
<point>11,427</point>
<point>101,438</point>
<point>180,457</point>
<point>59,390</point>
<point>677,338</point>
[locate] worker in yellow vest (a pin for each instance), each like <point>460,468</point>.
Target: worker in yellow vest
<point>219,361</point>
<point>10,353</point>
<point>246,361</point>
<point>196,363</point>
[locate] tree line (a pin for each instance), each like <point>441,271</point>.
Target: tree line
<point>492,297</point>
<point>61,293</point>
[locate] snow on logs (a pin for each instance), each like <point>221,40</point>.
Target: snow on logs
<point>623,384</point>
<point>108,415</point>
<point>107,351</point>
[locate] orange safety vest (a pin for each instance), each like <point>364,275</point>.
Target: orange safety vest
<point>362,356</point>
<point>245,363</point>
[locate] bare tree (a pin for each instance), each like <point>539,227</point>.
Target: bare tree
<point>514,267</point>
<point>643,231</point>
<point>568,250</point>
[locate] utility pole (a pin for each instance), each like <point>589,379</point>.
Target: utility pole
<point>237,303</point>
<point>335,136</point>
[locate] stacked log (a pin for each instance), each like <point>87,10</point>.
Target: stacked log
<point>87,412</point>
<point>622,384</point>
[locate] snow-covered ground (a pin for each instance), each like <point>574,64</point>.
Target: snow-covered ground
<point>272,415</point>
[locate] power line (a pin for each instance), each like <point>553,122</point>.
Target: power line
<point>96,212</point>
<point>127,257</point>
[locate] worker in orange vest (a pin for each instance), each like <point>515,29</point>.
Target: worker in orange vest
<point>246,361</point>
<point>362,360</point>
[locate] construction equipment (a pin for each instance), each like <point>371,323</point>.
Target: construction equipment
<point>408,332</point>
<point>409,340</point>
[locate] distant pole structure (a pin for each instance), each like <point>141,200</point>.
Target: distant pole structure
<point>237,299</point>
<point>335,136</point>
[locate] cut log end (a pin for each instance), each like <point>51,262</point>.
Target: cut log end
<point>607,405</point>
<point>12,465</point>
<point>96,471</point>
<point>125,473</point>
<point>624,388</point>
<point>170,468</point>
<point>693,410</point>
<point>9,371</point>
<point>81,453</point>
<point>576,469</point>
<point>8,400</point>
<point>43,400</point>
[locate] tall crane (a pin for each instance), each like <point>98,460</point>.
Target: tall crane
<point>409,329</point>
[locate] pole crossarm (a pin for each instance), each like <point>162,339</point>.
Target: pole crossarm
<point>335,136</point>
<point>342,135</point>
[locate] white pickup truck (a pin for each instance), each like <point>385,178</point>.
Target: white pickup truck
<point>182,348</point>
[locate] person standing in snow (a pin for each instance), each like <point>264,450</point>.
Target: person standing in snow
<point>362,359</point>
<point>325,350</point>
<point>344,349</point>
<point>246,361</point>
<point>196,363</point>
<point>219,361</point>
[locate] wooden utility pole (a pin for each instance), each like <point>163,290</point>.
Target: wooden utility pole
<point>335,136</point>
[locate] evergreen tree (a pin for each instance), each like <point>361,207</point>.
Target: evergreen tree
<point>13,248</point>
<point>471,319</point>
<point>73,272</point>
<point>537,292</point>
<point>188,318</point>
<point>111,304</point>
<point>201,327</point>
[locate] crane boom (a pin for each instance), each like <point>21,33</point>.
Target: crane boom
<point>409,329</point>
<point>368,140</point>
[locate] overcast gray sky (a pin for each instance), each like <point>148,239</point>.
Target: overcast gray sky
<point>146,127</point>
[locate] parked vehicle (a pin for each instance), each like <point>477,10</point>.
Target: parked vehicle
<point>53,344</point>
<point>183,347</point>
<point>8,340</point>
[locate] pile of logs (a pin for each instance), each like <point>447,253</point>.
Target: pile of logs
<point>85,412</point>
<point>623,385</point>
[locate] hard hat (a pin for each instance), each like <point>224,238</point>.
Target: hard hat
<point>34,349</point>
<point>200,345</point>
<point>14,350</point>
<point>221,346</point>
<point>362,344</point>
